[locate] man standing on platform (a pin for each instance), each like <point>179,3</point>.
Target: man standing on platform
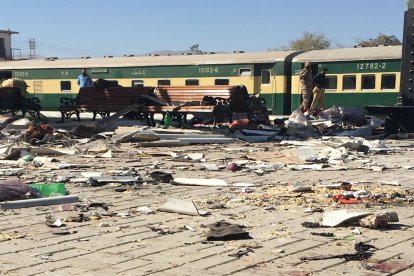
<point>84,80</point>
<point>306,85</point>
<point>319,91</point>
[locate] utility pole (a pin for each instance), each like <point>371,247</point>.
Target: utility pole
<point>400,117</point>
<point>410,4</point>
<point>32,48</point>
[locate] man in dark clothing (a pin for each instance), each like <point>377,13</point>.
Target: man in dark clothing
<point>319,90</point>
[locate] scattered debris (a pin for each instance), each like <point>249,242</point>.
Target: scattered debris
<point>7,236</point>
<point>323,234</point>
<point>300,187</point>
<point>185,207</point>
<point>162,177</point>
<point>376,221</point>
<point>225,231</point>
<point>39,202</point>
<point>309,224</point>
<point>336,218</point>
<point>145,210</point>
<point>198,182</point>
<point>241,252</point>
<point>81,217</point>
<point>164,230</point>
<point>54,223</point>
<point>338,139</point>
<point>13,189</point>
<point>103,180</point>
<point>363,252</point>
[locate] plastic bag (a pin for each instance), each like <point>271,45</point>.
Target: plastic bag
<point>297,119</point>
<point>330,113</point>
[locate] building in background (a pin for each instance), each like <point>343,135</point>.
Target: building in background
<point>6,50</point>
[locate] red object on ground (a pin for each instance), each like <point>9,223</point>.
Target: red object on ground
<point>342,200</point>
<point>232,166</point>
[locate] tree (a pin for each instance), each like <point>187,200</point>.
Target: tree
<point>309,41</point>
<point>195,49</point>
<point>381,39</point>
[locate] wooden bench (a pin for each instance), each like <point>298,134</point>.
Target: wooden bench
<point>102,101</point>
<point>12,101</point>
<point>179,101</point>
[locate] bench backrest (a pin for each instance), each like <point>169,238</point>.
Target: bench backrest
<point>11,98</point>
<point>110,99</point>
<point>176,95</point>
<point>181,94</point>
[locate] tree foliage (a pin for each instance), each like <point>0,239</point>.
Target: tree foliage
<point>381,39</point>
<point>309,41</point>
<point>195,49</point>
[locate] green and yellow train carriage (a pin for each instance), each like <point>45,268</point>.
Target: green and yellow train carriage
<point>356,76</point>
<point>267,73</point>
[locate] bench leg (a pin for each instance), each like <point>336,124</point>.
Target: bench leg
<point>185,119</point>
<point>152,119</point>
<point>147,118</point>
<point>77,116</point>
<point>162,120</point>
<point>94,116</point>
<point>62,119</point>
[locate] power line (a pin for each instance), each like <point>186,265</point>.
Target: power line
<point>65,49</point>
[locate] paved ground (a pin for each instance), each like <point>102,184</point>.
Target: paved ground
<point>129,247</point>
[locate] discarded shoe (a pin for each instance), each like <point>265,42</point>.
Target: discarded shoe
<point>225,231</point>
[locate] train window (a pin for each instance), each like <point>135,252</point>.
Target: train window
<point>137,83</point>
<point>349,83</point>
<point>265,76</point>
<point>65,86</point>
<point>388,81</point>
<point>368,82</point>
<point>164,82</point>
<point>191,82</point>
<point>245,72</point>
<point>331,82</point>
<point>221,82</point>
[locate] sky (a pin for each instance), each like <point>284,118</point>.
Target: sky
<point>116,27</point>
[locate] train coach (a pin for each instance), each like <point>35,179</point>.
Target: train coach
<point>355,77</point>
<point>267,73</point>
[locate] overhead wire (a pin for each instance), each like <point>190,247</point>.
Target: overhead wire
<point>62,49</point>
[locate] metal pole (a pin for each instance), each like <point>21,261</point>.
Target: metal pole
<point>409,4</point>
<point>38,202</point>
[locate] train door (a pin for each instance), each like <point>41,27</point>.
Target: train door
<point>268,88</point>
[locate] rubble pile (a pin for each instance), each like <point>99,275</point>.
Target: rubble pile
<point>56,165</point>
